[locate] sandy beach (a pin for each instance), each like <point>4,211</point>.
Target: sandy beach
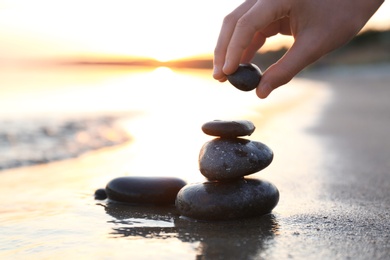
<point>331,167</point>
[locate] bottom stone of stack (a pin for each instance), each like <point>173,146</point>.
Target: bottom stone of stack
<point>227,200</point>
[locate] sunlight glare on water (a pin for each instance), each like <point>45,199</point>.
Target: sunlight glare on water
<point>49,209</point>
<point>58,92</point>
<point>175,105</point>
<point>169,105</point>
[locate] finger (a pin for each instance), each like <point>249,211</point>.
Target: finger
<point>246,28</point>
<point>225,35</point>
<point>280,26</point>
<point>256,43</point>
<point>301,54</point>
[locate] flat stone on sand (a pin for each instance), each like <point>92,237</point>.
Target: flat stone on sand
<point>228,129</point>
<point>227,200</point>
<point>144,190</point>
<point>223,159</point>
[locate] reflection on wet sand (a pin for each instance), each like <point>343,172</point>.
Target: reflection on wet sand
<point>239,239</point>
<point>140,221</point>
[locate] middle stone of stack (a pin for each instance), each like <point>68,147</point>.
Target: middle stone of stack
<point>230,157</point>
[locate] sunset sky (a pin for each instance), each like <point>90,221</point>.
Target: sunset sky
<point>162,30</point>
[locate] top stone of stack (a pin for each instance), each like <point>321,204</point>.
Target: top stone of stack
<point>228,129</point>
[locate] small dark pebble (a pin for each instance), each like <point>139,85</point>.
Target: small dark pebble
<point>246,77</point>
<point>100,194</point>
<point>223,159</point>
<point>144,190</point>
<point>227,200</point>
<point>228,129</point>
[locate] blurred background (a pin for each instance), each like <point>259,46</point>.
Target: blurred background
<point>69,70</point>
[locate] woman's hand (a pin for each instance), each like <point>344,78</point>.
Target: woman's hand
<point>318,27</point>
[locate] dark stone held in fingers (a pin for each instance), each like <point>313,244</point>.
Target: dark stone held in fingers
<point>246,77</point>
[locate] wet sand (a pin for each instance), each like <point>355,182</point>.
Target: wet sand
<point>331,167</point>
<point>343,207</point>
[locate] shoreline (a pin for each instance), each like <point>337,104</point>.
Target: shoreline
<point>27,142</point>
<point>62,192</point>
<point>26,134</point>
<point>331,173</point>
<point>71,136</point>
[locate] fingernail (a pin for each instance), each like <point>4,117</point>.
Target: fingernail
<point>265,90</point>
<point>216,70</point>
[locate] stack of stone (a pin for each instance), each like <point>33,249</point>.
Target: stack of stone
<point>226,161</point>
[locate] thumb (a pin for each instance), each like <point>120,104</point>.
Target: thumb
<point>300,55</point>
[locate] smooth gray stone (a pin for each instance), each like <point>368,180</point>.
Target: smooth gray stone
<point>222,159</point>
<point>228,129</point>
<point>100,194</point>
<point>144,190</point>
<point>246,77</point>
<point>226,200</point>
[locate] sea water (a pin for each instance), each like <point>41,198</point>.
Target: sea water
<point>77,108</point>
<point>48,210</point>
